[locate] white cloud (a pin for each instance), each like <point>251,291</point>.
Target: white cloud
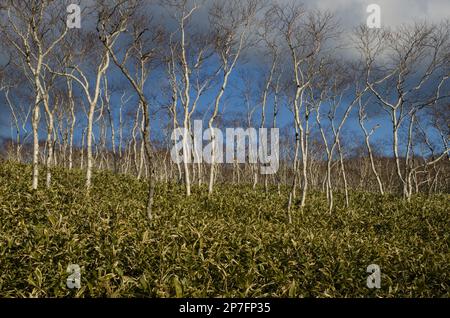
<point>393,12</point>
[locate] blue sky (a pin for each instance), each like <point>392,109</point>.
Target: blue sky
<point>350,13</point>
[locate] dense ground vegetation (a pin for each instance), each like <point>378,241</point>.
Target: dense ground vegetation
<point>235,243</point>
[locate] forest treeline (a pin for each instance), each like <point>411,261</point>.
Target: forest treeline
<point>90,98</point>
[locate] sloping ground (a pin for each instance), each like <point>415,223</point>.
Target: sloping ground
<point>233,244</point>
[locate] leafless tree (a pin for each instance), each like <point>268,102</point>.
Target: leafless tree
<point>400,66</point>
<point>138,58</point>
<point>34,29</point>
<point>304,35</point>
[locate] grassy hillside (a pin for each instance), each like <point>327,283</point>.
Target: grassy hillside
<point>233,244</point>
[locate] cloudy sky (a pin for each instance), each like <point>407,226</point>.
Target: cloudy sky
<point>350,14</point>
<point>393,12</point>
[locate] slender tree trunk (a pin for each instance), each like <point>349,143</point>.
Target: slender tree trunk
<point>49,149</point>
<point>304,151</point>
<point>35,124</point>
<point>90,158</point>
<point>329,186</point>
<point>150,163</point>
<point>395,124</point>
<point>372,165</point>
<point>186,153</point>
<point>344,176</point>
<point>294,180</point>
<point>369,148</point>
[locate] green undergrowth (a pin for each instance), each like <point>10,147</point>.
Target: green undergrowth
<point>234,244</point>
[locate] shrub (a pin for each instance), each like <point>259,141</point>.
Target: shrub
<point>233,244</point>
